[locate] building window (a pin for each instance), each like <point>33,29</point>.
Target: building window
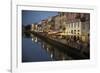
<point>72,31</point>
<point>78,24</point>
<point>69,25</point>
<point>78,33</point>
<point>83,26</point>
<point>78,30</point>
<point>72,25</point>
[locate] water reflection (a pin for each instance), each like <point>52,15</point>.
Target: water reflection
<point>55,54</point>
<point>39,50</point>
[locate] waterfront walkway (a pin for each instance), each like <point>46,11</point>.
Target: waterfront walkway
<point>83,47</point>
<point>78,48</point>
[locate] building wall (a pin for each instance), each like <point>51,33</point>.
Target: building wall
<point>73,28</point>
<point>57,22</point>
<point>71,24</point>
<point>85,31</point>
<point>32,27</point>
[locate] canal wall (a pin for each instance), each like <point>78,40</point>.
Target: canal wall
<point>63,47</point>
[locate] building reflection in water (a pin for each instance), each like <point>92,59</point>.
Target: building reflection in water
<point>53,52</point>
<point>34,39</point>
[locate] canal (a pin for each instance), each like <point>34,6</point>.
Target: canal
<point>36,50</point>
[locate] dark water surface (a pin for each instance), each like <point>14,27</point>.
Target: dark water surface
<point>34,50</point>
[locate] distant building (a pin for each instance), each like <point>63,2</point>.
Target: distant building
<point>79,27</point>
<point>57,22</point>
<point>73,28</point>
<point>32,27</point>
<point>68,24</point>
<point>73,24</point>
<point>44,25</point>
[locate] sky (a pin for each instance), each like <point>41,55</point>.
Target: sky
<point>29,17</point>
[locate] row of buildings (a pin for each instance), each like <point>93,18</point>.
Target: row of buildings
<point>66,24</point>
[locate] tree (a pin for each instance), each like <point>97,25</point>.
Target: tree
<point>27,27</point>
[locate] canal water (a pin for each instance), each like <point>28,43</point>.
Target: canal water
<point>36,50</point>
